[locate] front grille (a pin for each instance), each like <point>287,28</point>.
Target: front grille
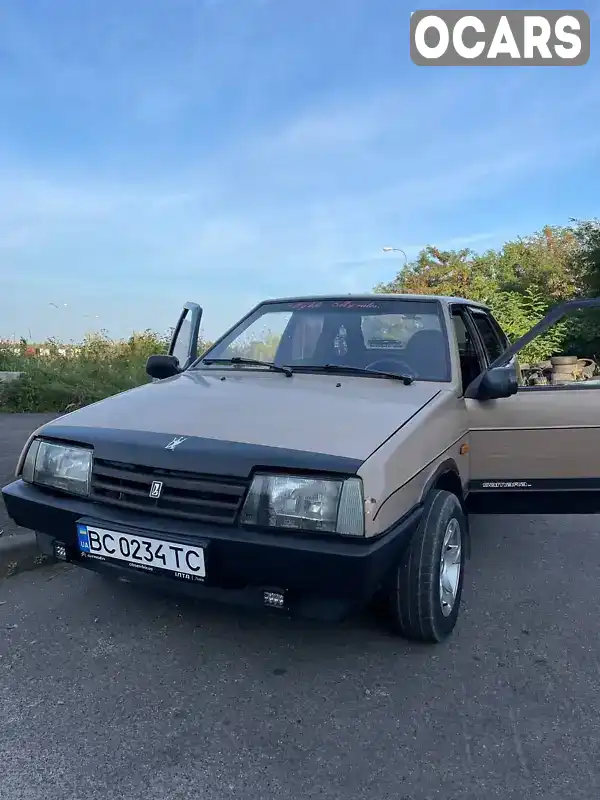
<point>185,495</point>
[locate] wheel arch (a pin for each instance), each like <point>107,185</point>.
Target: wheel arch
<point>446,477</point>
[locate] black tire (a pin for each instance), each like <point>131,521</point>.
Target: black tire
<point>415,598</point>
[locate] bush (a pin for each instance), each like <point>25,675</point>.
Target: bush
<point>518,313</point>
<point>62,378</point>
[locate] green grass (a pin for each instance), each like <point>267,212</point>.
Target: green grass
<point>57,383</point>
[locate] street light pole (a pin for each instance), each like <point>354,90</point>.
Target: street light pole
<point>396,250</point>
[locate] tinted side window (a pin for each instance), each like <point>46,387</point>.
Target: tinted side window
<point>491,339</point>
<point>470,363</point>
<point>466,345</point>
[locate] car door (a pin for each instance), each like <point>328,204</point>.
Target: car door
<point>184,341</point>
<point>537,451</point>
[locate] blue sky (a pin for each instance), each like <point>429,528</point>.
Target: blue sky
<point>223,151</point>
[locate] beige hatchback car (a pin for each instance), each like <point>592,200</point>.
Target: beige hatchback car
<point>323,453</point>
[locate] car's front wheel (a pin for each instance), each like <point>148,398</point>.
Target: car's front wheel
<point>426,589</point>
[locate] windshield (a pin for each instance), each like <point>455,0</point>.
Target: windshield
<point>393,335</point>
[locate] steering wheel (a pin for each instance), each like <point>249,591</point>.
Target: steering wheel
<point>398,365</point>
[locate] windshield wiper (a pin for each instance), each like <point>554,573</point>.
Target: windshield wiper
<point>255,362</point>
<point>406,379</point>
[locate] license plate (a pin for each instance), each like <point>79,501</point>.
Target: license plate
<point>142,552</point>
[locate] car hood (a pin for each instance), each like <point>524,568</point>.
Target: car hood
<point>338,415</point>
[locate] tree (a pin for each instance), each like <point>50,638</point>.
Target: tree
<point>547,261</point>
<point>553,261</point>
<point>458,273</point>
<point>517,313</point>
<point>587,235</point>
<point>519,282</point>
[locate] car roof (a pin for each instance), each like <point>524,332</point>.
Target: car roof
<point>446,300</point>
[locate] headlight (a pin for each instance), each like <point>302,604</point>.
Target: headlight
<point>58,466</point>
<point>331,506</point>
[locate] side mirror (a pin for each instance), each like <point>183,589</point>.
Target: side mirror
<point>162,367</point>
<point>494,384</point>
<point>184,344</point>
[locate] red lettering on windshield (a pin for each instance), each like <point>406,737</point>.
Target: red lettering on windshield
<point>354,304</point>
<point>336,304</point>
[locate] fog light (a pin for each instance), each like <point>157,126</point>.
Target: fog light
<point>274,599</point>
<point>60,551</point>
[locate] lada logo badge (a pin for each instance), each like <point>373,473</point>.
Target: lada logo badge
<point>156,489</point>
<point>176,442</point>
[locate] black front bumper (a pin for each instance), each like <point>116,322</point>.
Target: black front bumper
<point>321,576</point>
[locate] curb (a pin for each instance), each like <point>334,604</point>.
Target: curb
<point>19,553</point>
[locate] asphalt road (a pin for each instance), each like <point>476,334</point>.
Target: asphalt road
<point>110,691</point>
